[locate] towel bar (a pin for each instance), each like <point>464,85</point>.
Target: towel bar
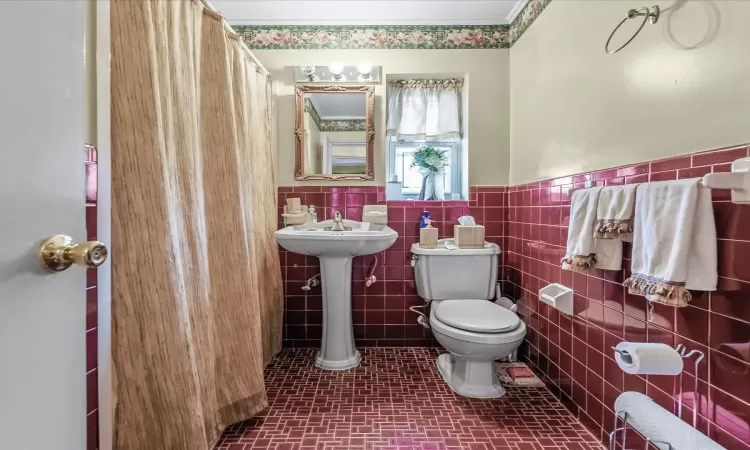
<point>738,180</point>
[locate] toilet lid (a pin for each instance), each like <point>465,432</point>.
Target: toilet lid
<point>481,316</point>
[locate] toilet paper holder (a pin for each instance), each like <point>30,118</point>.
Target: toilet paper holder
<point>623,415</point>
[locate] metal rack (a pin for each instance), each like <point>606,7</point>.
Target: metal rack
<point>685,355</point>
<point>622,416</point>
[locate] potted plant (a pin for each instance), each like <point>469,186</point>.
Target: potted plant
<point>431,163</point>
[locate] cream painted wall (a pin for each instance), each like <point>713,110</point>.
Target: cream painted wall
<point>345,136</point>
<point>351,152</point>
<point>574,108</point>
<point>342,136</point>
<point>313,152</point>
<point>488,101</point>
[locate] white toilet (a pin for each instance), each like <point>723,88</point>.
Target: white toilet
<point>476,331</point>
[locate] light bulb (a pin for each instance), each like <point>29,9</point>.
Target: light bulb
<point>364,69</point>
<point>309,72</point>
<point>336,68</point>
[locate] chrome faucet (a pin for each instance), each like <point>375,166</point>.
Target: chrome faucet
<point>338,223</point>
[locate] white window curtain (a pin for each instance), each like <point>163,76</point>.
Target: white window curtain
<point>420,110</point>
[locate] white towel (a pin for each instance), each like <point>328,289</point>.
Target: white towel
<point>580,255</point>
<point>614,215</point>
<point>674,242</point>
<point>608,253</point>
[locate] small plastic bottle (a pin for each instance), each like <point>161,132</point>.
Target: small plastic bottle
<point>313,214</point>
<point>423,220</point>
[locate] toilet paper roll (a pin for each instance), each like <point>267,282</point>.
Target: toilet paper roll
<point>655,422</point>
<point>645,358</point>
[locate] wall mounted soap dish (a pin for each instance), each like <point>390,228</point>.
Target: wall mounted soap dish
<point>558,296</point>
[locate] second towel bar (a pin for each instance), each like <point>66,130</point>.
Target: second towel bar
<point>738,180</point>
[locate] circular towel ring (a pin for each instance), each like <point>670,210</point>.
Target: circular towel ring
<point>647,14</point>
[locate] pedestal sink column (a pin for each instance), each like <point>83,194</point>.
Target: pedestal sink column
<point>337,351</point>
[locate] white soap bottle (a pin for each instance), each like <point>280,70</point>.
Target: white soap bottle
<point>312,214</point>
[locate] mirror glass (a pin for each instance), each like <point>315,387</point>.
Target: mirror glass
<point>335,140</point>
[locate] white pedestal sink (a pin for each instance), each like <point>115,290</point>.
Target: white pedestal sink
<point>335,249</point>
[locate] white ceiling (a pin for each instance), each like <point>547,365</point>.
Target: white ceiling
<point>329,105</point>
<point>369,12</point>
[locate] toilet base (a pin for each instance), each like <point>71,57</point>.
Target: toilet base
<point>475,379</point>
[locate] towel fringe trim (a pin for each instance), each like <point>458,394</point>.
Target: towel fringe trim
<point>579,263</point>
<point>665,292</point>
<point>614,229</point>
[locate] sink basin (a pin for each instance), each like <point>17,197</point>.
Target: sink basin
<point>322,243</point>
<point>335,250</point>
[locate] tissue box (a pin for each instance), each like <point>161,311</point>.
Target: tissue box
<point>469,236</point>
<point>428,237</point>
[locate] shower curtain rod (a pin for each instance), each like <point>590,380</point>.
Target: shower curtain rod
<point>231,30</point>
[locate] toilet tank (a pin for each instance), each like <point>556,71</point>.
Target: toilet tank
<point>443,274</point>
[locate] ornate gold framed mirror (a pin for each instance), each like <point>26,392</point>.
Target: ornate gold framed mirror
<point>334,133</point>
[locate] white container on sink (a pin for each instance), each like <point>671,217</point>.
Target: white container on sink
<point>375,216</point>
<point>558,296</point>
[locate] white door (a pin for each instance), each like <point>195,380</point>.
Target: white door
<point>42,315</point>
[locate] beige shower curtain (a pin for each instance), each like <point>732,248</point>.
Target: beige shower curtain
<point>196,286</point>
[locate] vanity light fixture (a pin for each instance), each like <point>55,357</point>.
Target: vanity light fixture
<point>365,70</point>
<point>337,70</point>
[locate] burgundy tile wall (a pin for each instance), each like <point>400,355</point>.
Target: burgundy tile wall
<point>574,352</point>
<point>92,390</point>
<point>530,223</point>
<point>381,312</point>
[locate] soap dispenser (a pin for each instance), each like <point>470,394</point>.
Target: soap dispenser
<point>311,218</point>
<point>428,236</point>
<point>313,214</point>
<point>423,221</point>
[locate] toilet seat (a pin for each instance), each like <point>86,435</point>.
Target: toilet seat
<point>503,337</point>
<point>481,316</point>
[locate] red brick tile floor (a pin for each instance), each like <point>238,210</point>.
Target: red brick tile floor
<point>396,400</point>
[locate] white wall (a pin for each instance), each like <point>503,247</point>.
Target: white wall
<point>488,101</point>
<point>575,108</point>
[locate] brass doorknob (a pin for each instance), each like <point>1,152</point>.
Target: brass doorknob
<point>57,253</point>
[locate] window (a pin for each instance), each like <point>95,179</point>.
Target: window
<point>424,113</point>
<point>399,164</point>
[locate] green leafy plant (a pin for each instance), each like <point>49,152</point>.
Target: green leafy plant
<point>430,158</point>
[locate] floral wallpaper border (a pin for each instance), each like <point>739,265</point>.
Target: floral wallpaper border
<point>343,125</point>
<point>270,37</point>
<point>525,18</point>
